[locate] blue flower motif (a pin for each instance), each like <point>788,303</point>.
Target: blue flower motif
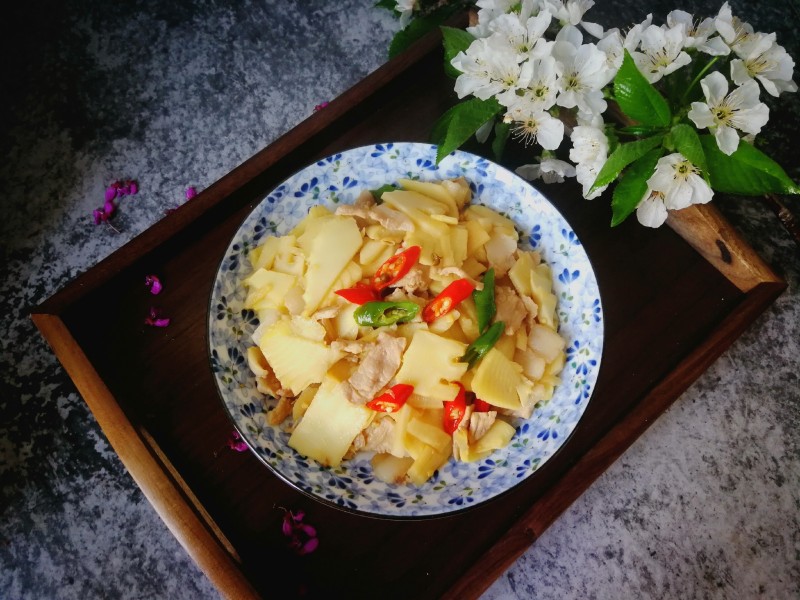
<point>328,160</point>
<point>249,317</point>
<point>249,410</point>
<point>223,310</point>
<point>277,194</point>
<point>594,311</point>
<point>461,500</point>
<point>339,481</point>
<point>570,237</point>
<point>566,277</point>
<point>262,227</point>
<point>522,469</point>
<point>584,391</point>
<point>347,183</point>
<point>364,474</point>
<point>573,349</point>
<point>232,262</point>
<point>381,149</point>
<point>547,433</point>
<point>535,236</point>
<point>394,498</point>
<point>486,468</point>
<point>306,187</point>
<point>481,167</point>
<point>426,164</point>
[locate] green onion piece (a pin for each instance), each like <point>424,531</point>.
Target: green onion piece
<point>378,193</point>
<point>381,314</point>
<point>484,301</point>
<point>477,349</point>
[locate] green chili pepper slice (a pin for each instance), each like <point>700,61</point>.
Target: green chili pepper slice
<point>483,344</point>
<point>381,314</point>
<point>484,301</point>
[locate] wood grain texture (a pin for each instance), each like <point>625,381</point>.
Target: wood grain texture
<point>708,232</point>
<point>153,388</point>
<point>151,476</point>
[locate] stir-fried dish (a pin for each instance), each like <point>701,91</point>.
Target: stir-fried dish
<point>408,324</point>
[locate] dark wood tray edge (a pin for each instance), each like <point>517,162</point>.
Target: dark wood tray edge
<point>159,481</point>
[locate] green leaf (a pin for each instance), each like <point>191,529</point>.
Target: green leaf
<point>501,133</point>
<point>387,4</point>
<point>687,142</point>
<point>632,186</point>
<point>460,122</point>
<point>455,41</point>
<point>624,155</point>
<point>415,30</point>
<point>637,97</point>
<point>748,171</point>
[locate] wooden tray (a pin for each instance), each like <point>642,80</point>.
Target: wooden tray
<point>668,312</point>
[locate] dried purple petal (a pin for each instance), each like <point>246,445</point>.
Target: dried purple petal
<point>154,283</point>
<point>309,530</point>
<point>321,105</point>
<point>303,537</point>
<point>191,192</point>
<point>133,187</point>
<point>111,193</point>
<point>309,546</point>
<point>99,216</point>
<point>236,443</point>
<point>154,319</point>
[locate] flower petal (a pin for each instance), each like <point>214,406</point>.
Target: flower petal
<point>727,139</point>
<point>309,546</point>
<point>154,283</point>
<point>651,211</point>
<point>701,116</point>
<point>715,88</point>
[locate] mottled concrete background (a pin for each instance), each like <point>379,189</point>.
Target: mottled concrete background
<point>704,505</point>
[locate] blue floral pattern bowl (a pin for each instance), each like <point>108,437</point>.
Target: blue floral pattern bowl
<point>456,486</point>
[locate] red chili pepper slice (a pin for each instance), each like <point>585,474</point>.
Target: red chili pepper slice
<point>393,399</point>
<point>454,410</point>
<point>448,299</point>
<point>481,406</point>
<point>395,268</point>
<point>359,294</point>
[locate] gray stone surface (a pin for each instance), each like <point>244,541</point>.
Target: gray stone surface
<point>704,505</point>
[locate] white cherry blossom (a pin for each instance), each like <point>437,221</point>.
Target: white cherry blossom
<point>540,127</point>
<point>583,74</point>
<point>661,52</point>
<point>405,8</point>
<point>699,34</point>
<point>541,91</point>
<point>489,10</point>
<point>612,46</point>
<point>679,181</point>
<point>724,113</point>
<point>733,30</point>
<point>651,210</point>
<point>549,169</point>
<point>633,36</point>
<point>589,151</point>
<point>571,13</point>
<point>761,58</point>
<point>487,69</point>
<point>523,36</point>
